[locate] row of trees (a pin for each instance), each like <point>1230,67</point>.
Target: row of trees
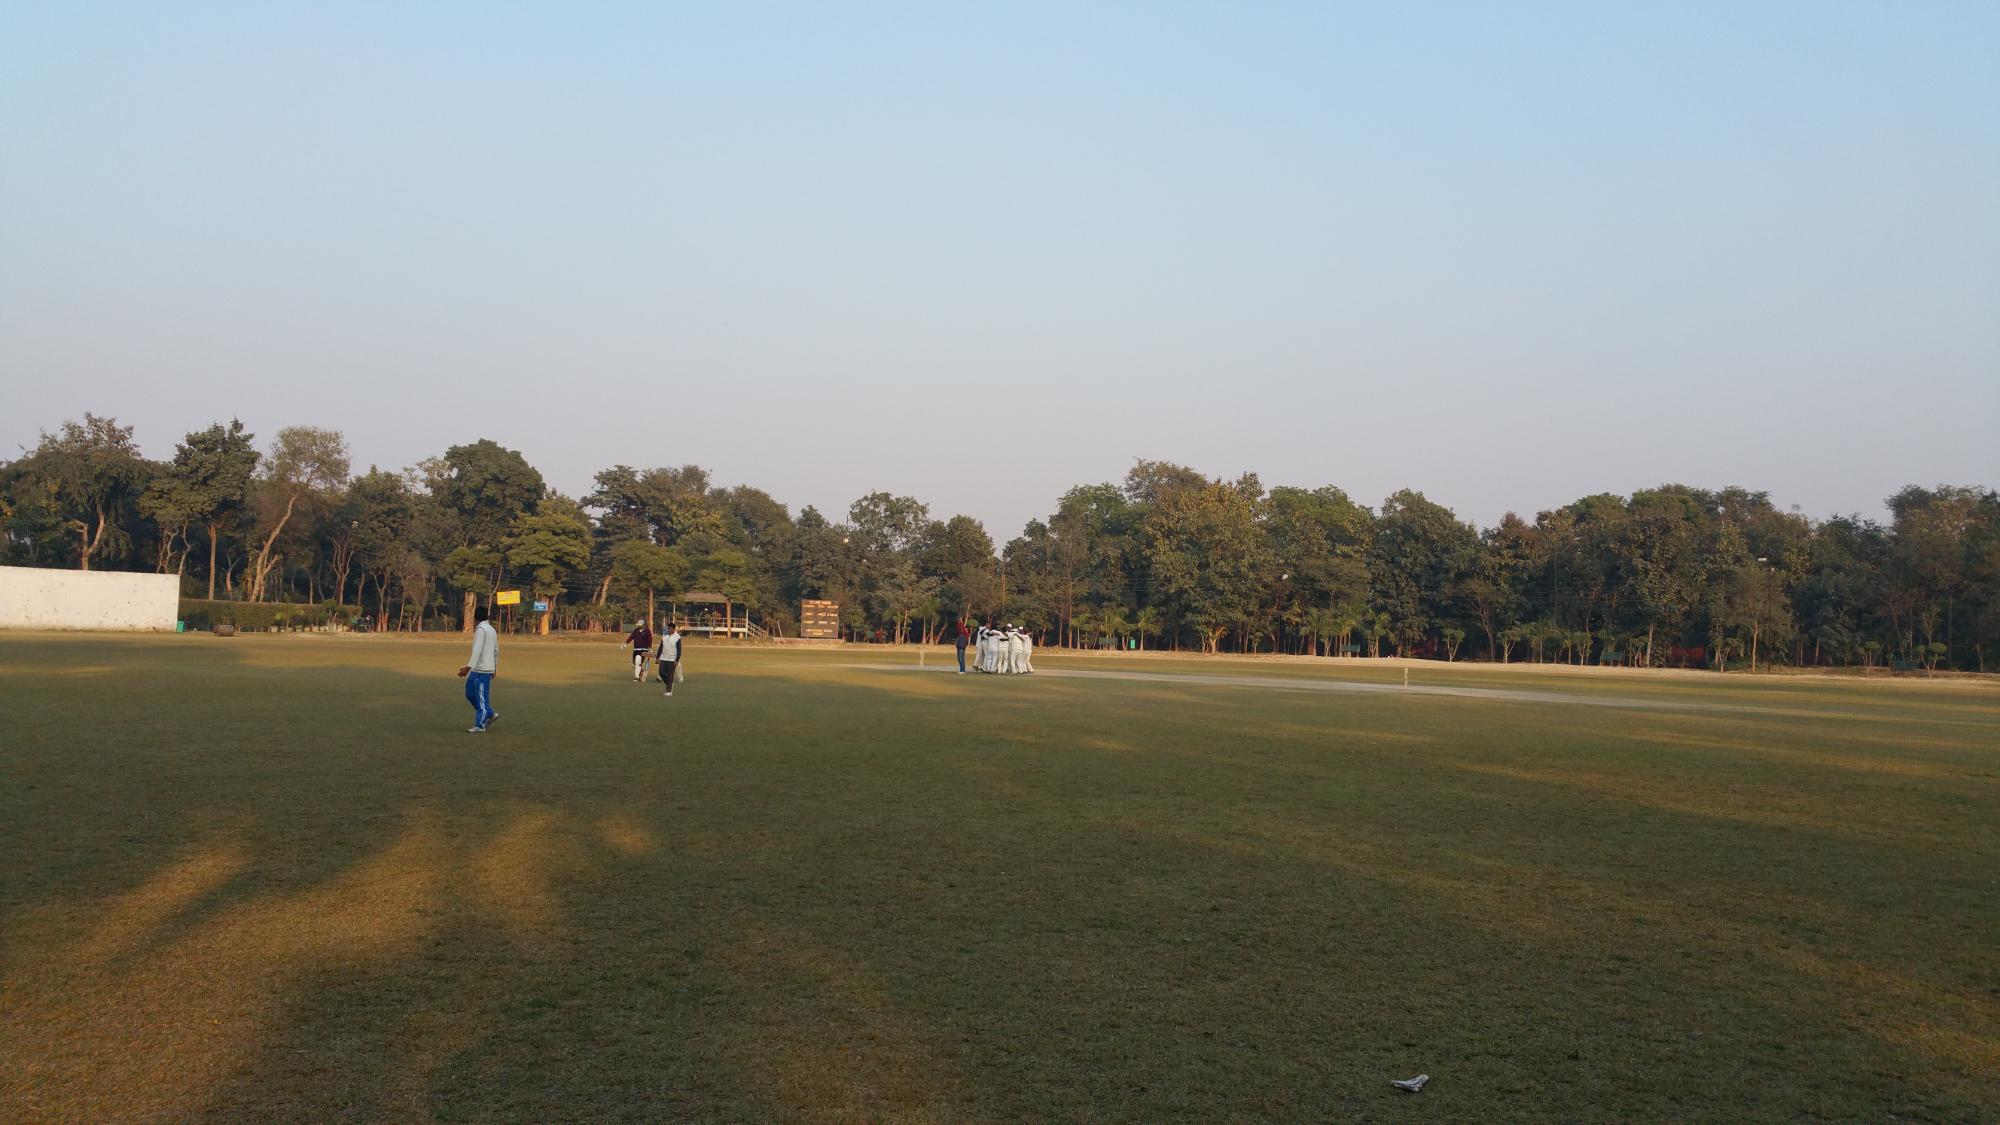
<point>1668,575</point>
<point>1168,557</point>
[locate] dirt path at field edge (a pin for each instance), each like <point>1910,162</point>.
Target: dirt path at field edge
<point>1289,683</point>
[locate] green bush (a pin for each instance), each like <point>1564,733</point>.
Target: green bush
<point>199,613</point>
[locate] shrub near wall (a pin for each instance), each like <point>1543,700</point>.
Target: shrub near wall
<point>200,613</point>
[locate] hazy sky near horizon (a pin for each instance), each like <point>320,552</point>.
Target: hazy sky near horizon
<point>1507,254</point>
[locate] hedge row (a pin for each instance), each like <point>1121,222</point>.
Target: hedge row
<point>200,613</point>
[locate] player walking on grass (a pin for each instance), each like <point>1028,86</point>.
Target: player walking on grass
<point>478,672</point>
<point>641,641</point>
<point>670,656</point>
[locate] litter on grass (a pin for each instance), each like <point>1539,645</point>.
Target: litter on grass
<point>1410,1085</point>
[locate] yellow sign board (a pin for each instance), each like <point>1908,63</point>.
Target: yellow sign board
<point>507,597</point>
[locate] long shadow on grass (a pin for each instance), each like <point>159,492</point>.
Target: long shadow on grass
<point>376,927</point>
<point>532,964</point>
<point>998,900</point>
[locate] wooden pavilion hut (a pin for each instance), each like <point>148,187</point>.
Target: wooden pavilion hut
<point>696,612</point>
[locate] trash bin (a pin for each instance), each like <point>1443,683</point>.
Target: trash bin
<point>180,626</point>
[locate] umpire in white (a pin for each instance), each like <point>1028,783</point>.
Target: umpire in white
<point>669,657</point>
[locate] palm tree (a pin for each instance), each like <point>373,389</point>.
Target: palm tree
<point>1345,622</point>
<point>1111,621</point>
<point>1146,624</point>
<point>1256,629</point>
<point>1319,624</point>
<point>1377,629</point>
<point>1539,635</point>
<point>1579,643</point>
<point>1295,616</point>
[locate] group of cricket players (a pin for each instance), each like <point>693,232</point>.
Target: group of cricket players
<point>663,652</point>
<point>997,649</point>
<point>1001,650</point>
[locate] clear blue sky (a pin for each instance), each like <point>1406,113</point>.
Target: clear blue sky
<point>1508,254</point>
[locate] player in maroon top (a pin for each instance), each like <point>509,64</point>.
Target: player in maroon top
<point>641,641</point>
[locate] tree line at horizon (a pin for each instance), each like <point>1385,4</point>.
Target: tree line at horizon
<point>1166,558</point>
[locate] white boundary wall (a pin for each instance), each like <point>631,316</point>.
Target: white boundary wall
<point>35,598</point>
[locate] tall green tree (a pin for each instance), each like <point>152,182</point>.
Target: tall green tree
<point>215,466</point>
<point>1934,556</point>
<point>1210,558</point>
<point>887,531</point>
<point>487,487</point>
<point>483,487</point>
<point>549,543</point>
<point>1493,590</point>
<point>1839,595</point>
<point>959,554</point>
<point>304,462</point>
<point>173,510</point>
<point>1321,539</point>
<point>1419,556</point>
<point>1662,547</point>
<point>1752,607</point>
<point>89,476</point>
<point>1152,482</point>
<point>378,507</point>
<point>824,562</point>
<point>645,565</point>
<point>473,571</point>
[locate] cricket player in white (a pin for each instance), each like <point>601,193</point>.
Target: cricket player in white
<point>669,659</point>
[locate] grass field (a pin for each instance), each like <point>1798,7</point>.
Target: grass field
<point>271,877</point>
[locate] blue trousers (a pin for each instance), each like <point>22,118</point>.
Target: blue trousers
<point>479,693</point>
<point>961,658</point>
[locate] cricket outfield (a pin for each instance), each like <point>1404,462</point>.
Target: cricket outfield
<point>271,877</point>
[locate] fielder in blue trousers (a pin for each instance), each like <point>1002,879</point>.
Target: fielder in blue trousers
<point>479,693</point>
<point>478,672</point>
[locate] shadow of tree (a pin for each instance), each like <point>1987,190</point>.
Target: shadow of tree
<point>1067,899</point>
